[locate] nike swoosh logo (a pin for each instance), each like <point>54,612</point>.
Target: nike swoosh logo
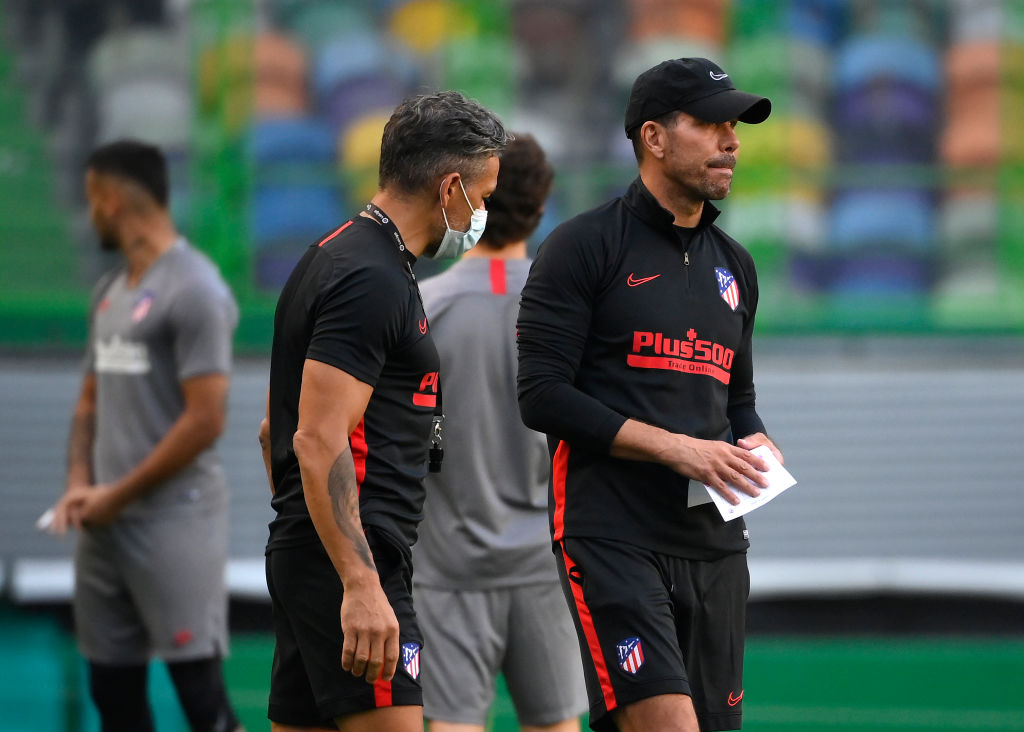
<point>733,701</point>
<point>717,77</point>
<point>633,280</point>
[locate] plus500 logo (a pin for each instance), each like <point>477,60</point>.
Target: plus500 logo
<point>693,349</point>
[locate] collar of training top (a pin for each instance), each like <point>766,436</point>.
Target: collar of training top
<point>646,206</point>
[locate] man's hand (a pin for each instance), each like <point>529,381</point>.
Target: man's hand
<point>88,505</point>
<point>371,632</point>
<point>722,466</point>
<point>756,440</point>
<point>715,462</point>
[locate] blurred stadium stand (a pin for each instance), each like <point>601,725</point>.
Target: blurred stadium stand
<point>884,195</point>
<point>883,202</point>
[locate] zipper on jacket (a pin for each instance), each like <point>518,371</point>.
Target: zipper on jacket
<point>686,267</point>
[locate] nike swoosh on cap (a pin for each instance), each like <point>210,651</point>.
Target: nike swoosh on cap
<point>717,77</point>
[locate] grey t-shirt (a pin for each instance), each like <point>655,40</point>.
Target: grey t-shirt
<point>176,323</point>
<point>485,519</point>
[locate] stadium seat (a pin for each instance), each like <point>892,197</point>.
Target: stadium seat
<point>138,51</point>
<point>141,83</point>
<point>359,96</point>
<point>971,63</point>
<point>921,21</point>
<point>317,24</point>
<point>423,26</point>
<point>482,68</point>
<point>818,22</point>
<point>788,142</point>
<point>349,56</point>
<point>983,260</point>
<point>876,219</point>
<point>155,109</point>
<point>751,18</point>
<point>976,20</point>
<point>809,272</point>
<point>303,139</point>
<point>984,104</point>
<point>699,20</point>
<point>968,235</point>
<point>887,122</point>
<point>967,217</point>
<point>793,220</point>
<point>887,98</point>
<point>880,274</point>
<point>864,59</point>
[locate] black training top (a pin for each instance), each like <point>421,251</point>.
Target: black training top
<point>353,303</point>
<point>626,315</point>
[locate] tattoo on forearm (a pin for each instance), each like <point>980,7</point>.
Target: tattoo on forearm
<point>341,485</point>
<point>83,430</point>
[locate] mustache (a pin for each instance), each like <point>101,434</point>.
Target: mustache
<point>723,161</point>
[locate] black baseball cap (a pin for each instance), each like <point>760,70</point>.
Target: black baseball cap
<point>696,86</point>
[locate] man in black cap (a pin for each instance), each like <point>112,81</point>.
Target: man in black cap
<point>635,358</point>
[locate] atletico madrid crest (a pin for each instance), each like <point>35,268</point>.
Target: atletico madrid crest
<point>631,655</point>
<point>411,659</point>
<point>142,306</point>
<point>727,287</point>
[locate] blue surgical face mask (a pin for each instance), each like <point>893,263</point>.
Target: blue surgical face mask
<point>456,243</point>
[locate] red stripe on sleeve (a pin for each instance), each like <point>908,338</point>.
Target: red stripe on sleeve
<point>590,632</point>
<point>382,693</point>
<point>499,283</point>
<point>336,232</point>
<point>559,468</point>
<point>357,442</point>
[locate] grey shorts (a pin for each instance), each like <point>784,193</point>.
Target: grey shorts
<point>525,632</point>
<point>155,587</point>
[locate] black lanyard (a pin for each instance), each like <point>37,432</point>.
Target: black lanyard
<point>436,453</point>
<point>384,220</point>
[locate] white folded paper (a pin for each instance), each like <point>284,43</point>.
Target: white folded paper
<point>779,480</point>
<point>44,522</point>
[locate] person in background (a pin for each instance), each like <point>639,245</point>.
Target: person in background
<point>635,358</point>
<point>354,392</point>
<point>145,485</point>
<point>486,586</point>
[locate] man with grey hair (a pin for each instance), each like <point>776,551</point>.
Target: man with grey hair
<point>353,406</point>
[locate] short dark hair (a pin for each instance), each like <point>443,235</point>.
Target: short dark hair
<point>668,119</point>
<point>430,135</point>
<point>138,162</point>
<point>517,204</point>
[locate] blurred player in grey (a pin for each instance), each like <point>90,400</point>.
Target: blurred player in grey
<point>145,485</point>
<point>486,585</point>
